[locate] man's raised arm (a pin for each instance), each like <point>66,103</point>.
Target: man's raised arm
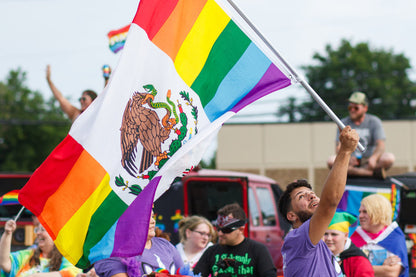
<point>334,186</point>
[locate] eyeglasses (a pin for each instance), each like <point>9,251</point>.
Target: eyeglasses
<point>227,230</point>
<point>39,229</point>
<point>202,233</point>
<point>82,99</point>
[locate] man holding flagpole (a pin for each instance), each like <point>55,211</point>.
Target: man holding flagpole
<point>304,252</point>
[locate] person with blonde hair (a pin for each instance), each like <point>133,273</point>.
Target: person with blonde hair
<point>196,234</point>
<point>381,239</point>
<point>352,260</point>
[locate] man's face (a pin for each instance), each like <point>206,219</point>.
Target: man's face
<point>232,238</point>
<point>304,203</point>
<point>357,111</point>
<point>335,240</point>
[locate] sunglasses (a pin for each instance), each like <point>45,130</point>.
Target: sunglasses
<point>355,108</point>
<point>227,230</point>
<point>83,99</point>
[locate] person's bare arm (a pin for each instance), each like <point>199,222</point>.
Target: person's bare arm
<point>378,151</point>
<point>334,186</point>
<point>337,147</point>
<point>5,246</point>
<point>71,111</point>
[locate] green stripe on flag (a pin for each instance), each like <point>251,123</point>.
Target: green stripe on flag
<point>101,221</point>
<point>225,53</point>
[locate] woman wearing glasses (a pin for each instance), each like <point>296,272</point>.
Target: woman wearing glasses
<point>42,261</point>
<point>70,110</point>
<point>196,234</point>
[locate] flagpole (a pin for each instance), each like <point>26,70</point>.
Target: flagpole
<point>19,213</point>
<point>292,71</point>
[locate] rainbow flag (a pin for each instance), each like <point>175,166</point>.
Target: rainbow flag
<point>117,38</point>
<point>185,69</point>
<point>10,198</point>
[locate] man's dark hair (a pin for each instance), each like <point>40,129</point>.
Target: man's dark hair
<point>233,209</point>
<point>285,200</point>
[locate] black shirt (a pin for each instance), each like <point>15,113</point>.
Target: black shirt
<point>249,258</point>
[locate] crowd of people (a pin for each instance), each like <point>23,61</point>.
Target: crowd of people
<point>319,243</point>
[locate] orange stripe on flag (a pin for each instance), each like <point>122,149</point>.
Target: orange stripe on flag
<point>174,31</point>
<point>73,192</point>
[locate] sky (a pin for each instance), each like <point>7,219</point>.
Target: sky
<point>71,36</point>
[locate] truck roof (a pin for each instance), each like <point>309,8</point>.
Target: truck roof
<point>224,173</point>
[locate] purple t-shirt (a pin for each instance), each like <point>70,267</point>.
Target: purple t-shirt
<point>302,258</point>
<point>162,254</point>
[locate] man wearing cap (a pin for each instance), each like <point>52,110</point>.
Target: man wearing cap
<point>374,161</point>
<point>234,254</point>
<point>304,252</point>
<point>353,261</point>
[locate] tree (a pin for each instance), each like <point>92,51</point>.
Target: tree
<point>30,128</point>
<point>381,74</point>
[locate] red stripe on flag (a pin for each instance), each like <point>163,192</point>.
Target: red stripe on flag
<point>151,15</point>
<point>43,184</point>
<point>118,31</point>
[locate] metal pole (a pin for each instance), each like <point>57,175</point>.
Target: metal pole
<point>19,213</point>
<point>292,71</point>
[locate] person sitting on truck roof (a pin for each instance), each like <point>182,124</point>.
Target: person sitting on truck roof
<point>234,254</point>
<point>382,241</point>
<point>353,261</point>
<point>196,234</point>
<point>304,252</point>
<point>374,161</point>
<point>44,260</point>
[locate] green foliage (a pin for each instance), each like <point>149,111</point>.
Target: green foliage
<point>381,74</point>
<point>210,164</point>
<point>30,128</point>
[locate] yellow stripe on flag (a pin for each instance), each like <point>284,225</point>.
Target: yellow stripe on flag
<point>385,194</point>
<point>197,45</point>
<point>74,232</point>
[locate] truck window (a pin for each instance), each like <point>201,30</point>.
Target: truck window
<point>207,197</point>
<point>266,206</point>
<point>252,205</point>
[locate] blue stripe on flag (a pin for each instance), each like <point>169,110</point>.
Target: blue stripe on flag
<point>252,65</point>
<point>104,247</point>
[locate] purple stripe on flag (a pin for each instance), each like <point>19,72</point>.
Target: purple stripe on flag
<point>271,81</point>
<point>342,206</point>
<point>133,225</point>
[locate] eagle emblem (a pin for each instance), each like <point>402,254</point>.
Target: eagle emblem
<point>142,124</point>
